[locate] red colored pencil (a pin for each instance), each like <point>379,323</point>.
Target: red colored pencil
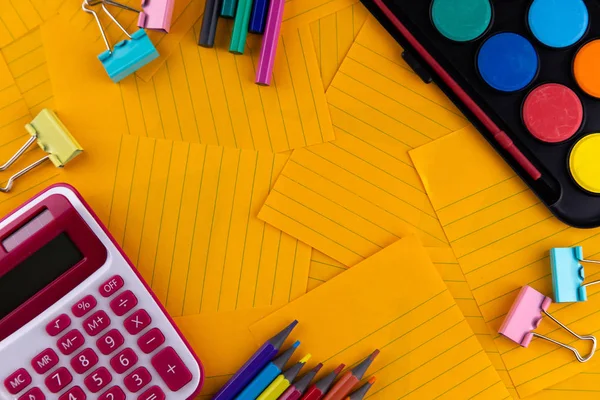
<point>295,391</point>
<point>345,384</point>
<point>319,388</point>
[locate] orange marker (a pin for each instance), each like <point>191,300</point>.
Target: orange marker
<point>361,392</point>
<point>342,387</point>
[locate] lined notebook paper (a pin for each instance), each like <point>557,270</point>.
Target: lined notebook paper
<point>354,196</point>
<point>502,234</point>
<point>185,14</point>
<point>394,301</point>
<point>333,36</point>
<point>186,216</point>
<point>17,17</point>
<point>223,341</point>
<point>298,13</point>
<point>26,61</point>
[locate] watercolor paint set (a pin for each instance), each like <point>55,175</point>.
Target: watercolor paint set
<point>527,74</point>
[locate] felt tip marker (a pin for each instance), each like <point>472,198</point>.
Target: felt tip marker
<point>267,375</point>
<point>209,23</point>
<point>295,391</point>
<point>258,16</point>
<point>283,381</point>
<point>361,392</point>
<point>345,384</point>
<point>254,365</point>
<point>319,388</point>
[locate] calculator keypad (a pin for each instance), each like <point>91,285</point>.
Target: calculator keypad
<point>58,325</point>
<point>154,393</point>
<point>95,324</point>
<point>84,306</point>
<point>58,380</point>
<point>171,369</point>
<point>123,303</point>
<point>97,380</point>
<point>111,286</point>
<point>110,342</point>
<point>75,393</point>
<point>136,381</point>
<point>84,361</point>
<point>124,361</point>
<point>151,340</point>
<point>70,342</point>
<point>33,394</point>
<point>137,322</point>
<point>17,381</point>
<point>114,393</point>
<point>44,361</point>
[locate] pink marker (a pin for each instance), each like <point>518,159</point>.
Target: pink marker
<point>269,43</point>
<point>525,315</point>
<point>156,14</point>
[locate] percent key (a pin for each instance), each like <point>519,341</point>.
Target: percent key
<point>84,306</point>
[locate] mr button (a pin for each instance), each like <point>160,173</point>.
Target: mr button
<point>111,286</point>
<point>18,381</point>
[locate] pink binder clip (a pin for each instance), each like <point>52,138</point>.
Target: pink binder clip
<point>525,315</point>
<point>156,14</point>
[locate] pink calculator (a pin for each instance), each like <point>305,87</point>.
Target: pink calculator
<point>76,319</point>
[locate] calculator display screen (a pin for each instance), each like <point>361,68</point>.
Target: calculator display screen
<point>35,273</point>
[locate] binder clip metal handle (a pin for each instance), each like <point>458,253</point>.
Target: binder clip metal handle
<point>90,3</point>
<point>25,170</point>
<point>568,274</point>
<point>525,315</point>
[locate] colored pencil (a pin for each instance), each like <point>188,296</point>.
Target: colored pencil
<point>283,381</point>
<point>345,384</point>
<point>228,8</point>
<point>269,43</point>
<point>258,17</point>
<point>240,27</point>
<point>254,365</point>
<point>295,391</point>
<point>267,375</point>
<point>361,392</point>
<point>319,388</point>
<point>209,23</point>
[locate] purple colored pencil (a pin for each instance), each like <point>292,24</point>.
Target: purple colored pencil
<point>254,365</point>
<point>269,43</point>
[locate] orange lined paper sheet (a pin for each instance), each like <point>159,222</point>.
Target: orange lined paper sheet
<point>394,301</point>
<point>17,17</point>
<point>299,13</point>
<point>333,35</point>
<point>501,234</point>
<point>354,196</point>
<point>186,216</point>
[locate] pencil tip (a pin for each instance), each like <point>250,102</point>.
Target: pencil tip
<point>278,340</point>
<point>305,358</point>
<point>296,344</point>
<point>339,368</point>
<point>318,367</point>
<point>372,380</point>
<point>374,354</point>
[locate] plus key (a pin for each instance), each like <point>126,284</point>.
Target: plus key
<point>171,369</point>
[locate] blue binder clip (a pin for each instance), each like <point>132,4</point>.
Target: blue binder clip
<point>568,274</point>
<point>127,56</point>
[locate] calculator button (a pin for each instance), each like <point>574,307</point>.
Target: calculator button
<point>84,361</point>
<point>95,324</point>
<point>171,369</point>
<point>139,378</point>
<point>17,381</point>
<point>58,380</point>
<point>154,393</point>
<point>123,361</point>
<point>75,393</point>
<point>137,322</point>
<point>111,286</point>
<point>58,324</point>
<point>114,393</point>
<point>84,306</point>
<point>70,342</point>
<point>151,340</point>
<point>110,342</point>
<point>44,361</point>
<point>97,380</point>
<point>33,394</point>
<point>123,303</point>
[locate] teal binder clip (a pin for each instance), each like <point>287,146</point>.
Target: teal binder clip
<point>127,56</point>
<point>568,274</point>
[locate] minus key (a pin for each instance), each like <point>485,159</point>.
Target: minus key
<point>151,340</point>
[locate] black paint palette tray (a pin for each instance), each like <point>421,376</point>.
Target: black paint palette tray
<point>526,73</point>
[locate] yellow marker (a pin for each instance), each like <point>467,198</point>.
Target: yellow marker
<point>584,163</point>
<point>283,381</point>
<point>52,137</point>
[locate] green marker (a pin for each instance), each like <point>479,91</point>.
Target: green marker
<point>228,8</point>
<point>240,27</point>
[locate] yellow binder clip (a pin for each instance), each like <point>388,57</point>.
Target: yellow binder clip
<point>53,137</point>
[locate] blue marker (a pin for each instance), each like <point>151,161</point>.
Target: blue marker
<point>267,375</point>
<point>259,16</point>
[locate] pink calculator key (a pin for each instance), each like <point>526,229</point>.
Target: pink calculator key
<point>96,323</point>
<point>151,340</point>
<point>111,286</point>
<point>137,322</point>
<point>154,393</point>
<point>70,342</point>
<point>110,342</point>
<point>84,306</point>
<point>97,380</point>
<point>17,381</point>
<point>58,324</point>
<point>33,394</point>
<point>84,361</point>
<point>139,378</point>
<point>171,369</point>
<point>44,361</point>
<point>114,393</point>
<point>75,393</point>
<point>58,380</point>
<point>123,303</point>
<point>123,361</point>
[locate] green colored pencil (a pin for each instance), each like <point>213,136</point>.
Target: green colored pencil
<point>240,27</point>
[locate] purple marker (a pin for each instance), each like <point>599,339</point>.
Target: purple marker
<point>269,43</point>
<point>254,365</point>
